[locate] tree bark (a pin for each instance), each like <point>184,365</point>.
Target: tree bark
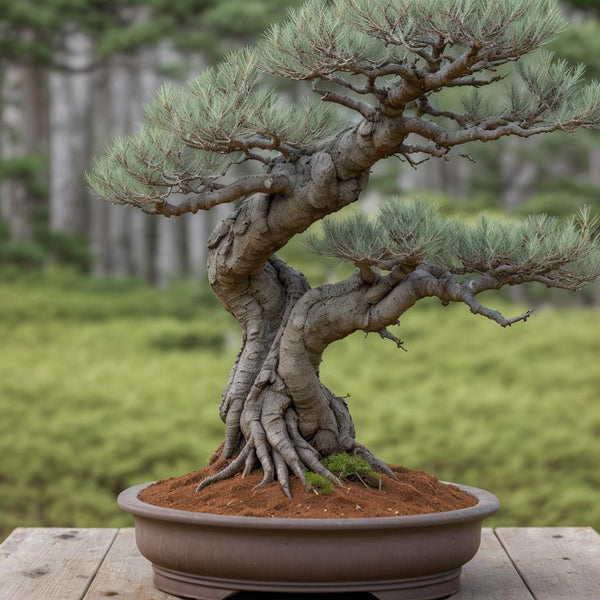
<point>277,412</point>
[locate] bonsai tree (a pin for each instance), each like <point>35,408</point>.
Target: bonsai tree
<point>377,70</point>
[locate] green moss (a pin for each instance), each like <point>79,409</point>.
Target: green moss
<point>319,483</point>
<point>352,468</point>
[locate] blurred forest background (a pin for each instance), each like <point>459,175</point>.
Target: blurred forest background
<point>106,381</point>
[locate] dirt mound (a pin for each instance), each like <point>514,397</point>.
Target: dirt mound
<point>414,493</point>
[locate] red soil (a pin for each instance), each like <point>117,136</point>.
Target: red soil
<point>414,493</point>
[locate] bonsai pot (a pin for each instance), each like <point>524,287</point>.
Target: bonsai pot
<point>211,557</point>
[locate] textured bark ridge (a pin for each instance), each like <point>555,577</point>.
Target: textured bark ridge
<point>278,414</point>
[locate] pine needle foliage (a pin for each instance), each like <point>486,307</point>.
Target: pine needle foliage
<point>353,35</point>
<point>508,29</point>
<point>197,132</point>
<point>226,105</point>
<point>315,42</point>
<point>396,54</point>
<point>407,234</point>
<point>551,91</point>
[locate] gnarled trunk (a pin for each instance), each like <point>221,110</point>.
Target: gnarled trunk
<point>278,414</point>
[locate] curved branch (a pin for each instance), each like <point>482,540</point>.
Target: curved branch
<point>473,81</point>
<point>447,139</point>
<point>479,309</point>
<point>421,84</point>
<point>337,310</point>
<point>245,186</point>
<point>363,108</point>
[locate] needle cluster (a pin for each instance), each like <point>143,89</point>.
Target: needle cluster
<point>404,235</point>
<point>371,59</point>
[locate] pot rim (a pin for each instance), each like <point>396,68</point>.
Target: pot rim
<point>486,506</point>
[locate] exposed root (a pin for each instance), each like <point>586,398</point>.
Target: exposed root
<point>283,475</point>
<point>374,462</point>
<point>271,425</point>
<point>251,463</point>
<point>296,458</point>
<point>230,470</point>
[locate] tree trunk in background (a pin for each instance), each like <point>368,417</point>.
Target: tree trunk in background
<point>516,174</point>
<point>70,143</point>
<point>21,134</point>
<point>145,82</point>
<point>198,226</point>
<point>168,258</point>
<point>98,208</point>
<point>118,123</point>
<point>109,224</point>
<point>196,234</point>
<point>169,248</point>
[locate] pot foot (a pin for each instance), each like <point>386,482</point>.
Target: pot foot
<point>435,587</point>
<point>186,585</point>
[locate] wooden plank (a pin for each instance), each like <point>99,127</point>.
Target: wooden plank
<point>53,564</point>
<point>556,563</point>
<point>125,574</point>
<point>491,574</point>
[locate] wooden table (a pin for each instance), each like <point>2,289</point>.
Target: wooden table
<point>96,564</point>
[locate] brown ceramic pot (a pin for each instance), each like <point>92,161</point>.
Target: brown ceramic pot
<point>211,557</point>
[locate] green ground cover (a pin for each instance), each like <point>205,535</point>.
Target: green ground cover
<point>105,385</point>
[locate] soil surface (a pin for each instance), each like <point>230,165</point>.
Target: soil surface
<point>414,493</point>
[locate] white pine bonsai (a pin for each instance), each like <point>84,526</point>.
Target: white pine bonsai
<point>377,70</point>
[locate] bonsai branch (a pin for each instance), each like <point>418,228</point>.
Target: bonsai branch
<point>245,186</point>
<point>479,309</point>
<point>366,110</point>
<point>387,335</point>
